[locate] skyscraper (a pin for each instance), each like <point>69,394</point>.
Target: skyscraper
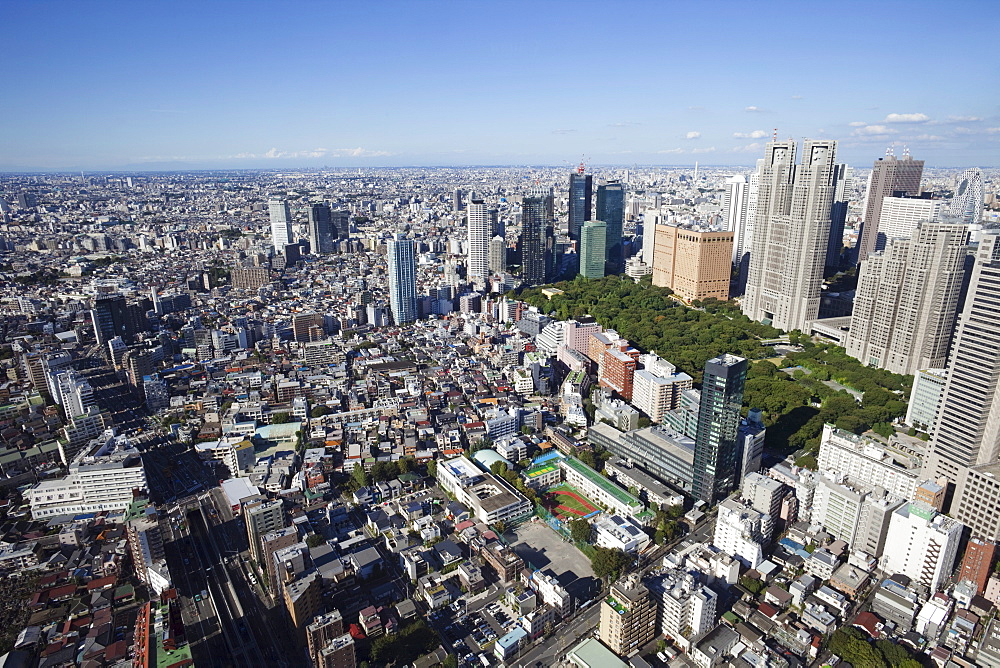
<point>581,189</point>
<point>402,279</point>
<point>692,262</point>
<point>456,200</point>
<point>593,237</point>
<point>889,175</point>
<point>734,210</point>
<point>112,316</point>
<point>967,202</point>
<point>281,223</point>
<point>536,236</point>
<point>968,427</point>
<point>743,237</point>
<point>716,451</point>
<point>838,217</point>
<point>322,232</point>
<point>498,255</point>
<point>791,232</point>
<point>482,222</point>
<point>907,299</point>
<point>611,209</point>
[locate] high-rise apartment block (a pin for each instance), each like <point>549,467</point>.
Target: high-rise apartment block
<point>281,223</point>
<point>657,387</point>
<point>402,266</point>
<point>617,368</point>
<point>924,545</point>
<point>482,223</point>
<point>716,453</point>
<point>890,177</point>
<point>925,398</point>
<point>498,255</point>
<point>628,616</point>
<point>791,233</point>
<point>694,263</point>
<point>593,238</point>
<point>611,209</point>
<point>325,227</point>
<point>907,298</point>
<point>581,190</point>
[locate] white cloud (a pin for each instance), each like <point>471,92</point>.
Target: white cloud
<point>710,149</point>
<point>751,108</point>
<point>274,154</point>
<point>797,97</point>
<point>562,131</point>
<point>992,131</point>
<point>965,119</point>
<point>928,138</point>
<point>870,130</point>
<point>749,148</point>
<point>624,124</point>
<point>906,118</point>
<point>692,135</point>
<point>857,124</point>
<point>756,134</point>
<point>672,150</point>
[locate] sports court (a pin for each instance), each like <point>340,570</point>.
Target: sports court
<point>566,502</point>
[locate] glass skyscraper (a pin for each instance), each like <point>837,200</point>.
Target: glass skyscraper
<point>611,209</point>
<point>581,189</point>
<point>716,449</point>
<point>402,279</point>
<point>536,236</point>
<point>593,237</point>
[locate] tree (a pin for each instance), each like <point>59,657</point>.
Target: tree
<point>498,468</point>
<point>580,530</point>
<point>432,470</point>
<point>752,585</point>
<point>359,477</point>
<point>500,526</point>
<point>281,418</point>
<point>319,411</point>
<point>406,464</point>
<point>609,563</point>
<point>315,540</point>
<point>450,661</point>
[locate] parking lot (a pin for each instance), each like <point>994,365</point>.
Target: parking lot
<point>545,550</point>
<point>473,633</point>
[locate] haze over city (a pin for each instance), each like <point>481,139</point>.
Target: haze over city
<point>255,84</point>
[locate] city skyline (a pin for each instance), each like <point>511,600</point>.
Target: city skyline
<point>219,88</point>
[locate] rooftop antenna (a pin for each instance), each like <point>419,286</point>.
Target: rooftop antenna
<point>889,152</point>
<point>906,151</point>
<point>774,137</point>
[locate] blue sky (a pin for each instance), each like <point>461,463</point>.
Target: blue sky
<point>102,85</point>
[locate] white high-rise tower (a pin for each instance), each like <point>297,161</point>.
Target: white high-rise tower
<point>281,223</point>
<point>967,204</point>
<point>734,211</point>
<point>482,221</point>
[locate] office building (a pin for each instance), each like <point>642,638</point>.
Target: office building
<point>112,316</point>
<point>750,440</point>
<point>663,452</point>
<point>103,477</point>
<point>968,425</point>
<point>763,494</point>
<point>734,206</point>
<point>977,564</point>
<point>322,231</point>
<point>581,188</point>
<point>402,279</point>
<point>890,177</point>
<point>843,179</point>
<point>307,326</point>
<point>482,220</point>
<point>593,238</point>
<point>537,242</point>
<point>867,460</point>
<point>617,368</point>
<point>716,452</point>
<point>791,232</point>
<point>967,202</point>
<point>694,263</point>
<point>901,215</point>
<point>281,224</point>
<point>628,616</point>
<point>743,235</point>
<point>925,397</point>
<point>611,209</point>
<point>924,545</point>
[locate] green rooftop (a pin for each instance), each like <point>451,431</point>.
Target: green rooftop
<point>541,469</point>
<point>602,482</point>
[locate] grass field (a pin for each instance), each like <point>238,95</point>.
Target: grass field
<point>565,502</point>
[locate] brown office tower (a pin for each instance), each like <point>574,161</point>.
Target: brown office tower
<point>889,175</point>
<point>694,263</point>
